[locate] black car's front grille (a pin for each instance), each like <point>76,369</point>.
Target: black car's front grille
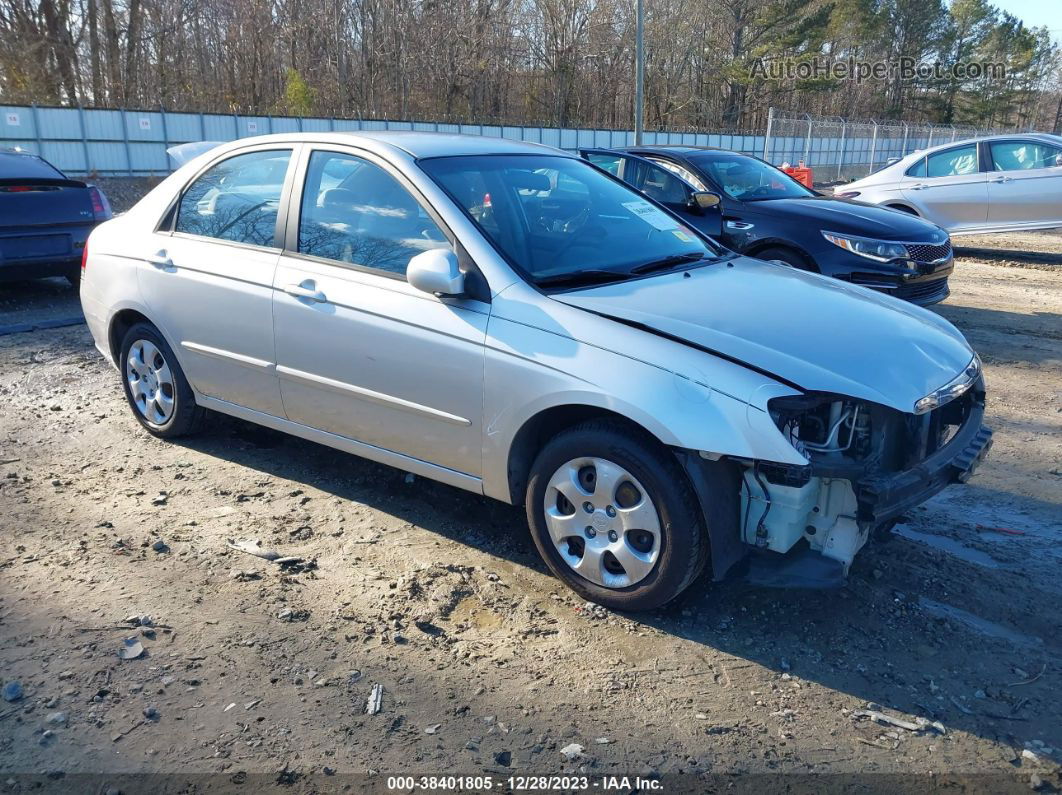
<point>925,252</point>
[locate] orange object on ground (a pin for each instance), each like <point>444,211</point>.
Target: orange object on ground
<point>801,174</point>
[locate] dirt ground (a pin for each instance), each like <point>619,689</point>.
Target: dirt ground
<point>487,664</point>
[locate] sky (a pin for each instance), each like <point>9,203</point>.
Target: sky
<point>1035,13</point>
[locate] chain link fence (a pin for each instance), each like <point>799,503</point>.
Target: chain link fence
<point>838,150</point>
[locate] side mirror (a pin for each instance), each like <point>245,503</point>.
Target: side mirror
<point>436,271</point>
<point>703,200</point>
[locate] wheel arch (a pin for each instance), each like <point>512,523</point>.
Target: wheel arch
<point>769,243</point>
<point>538,429</point>
<point>121,321</point>
<point>902,207</point>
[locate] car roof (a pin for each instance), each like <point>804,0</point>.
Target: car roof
<point>1046,138</point>
<point>673,148</point>
<point>15,164</point>
<point>415,144</point>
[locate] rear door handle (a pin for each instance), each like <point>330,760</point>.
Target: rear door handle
<point>919,187</point>
<point>739,226</point>
<point>307,290</point>
<point>161,260</point>
<point>1001,179</point>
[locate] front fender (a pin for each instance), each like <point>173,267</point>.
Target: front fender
<point>693,403</point>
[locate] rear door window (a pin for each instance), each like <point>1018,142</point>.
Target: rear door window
<point>953,162</point>
<point>237,200</point>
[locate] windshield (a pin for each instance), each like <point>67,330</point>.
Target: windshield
<point>748,179</point>
<point>562,221</point>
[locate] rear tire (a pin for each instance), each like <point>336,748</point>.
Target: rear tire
<point>644,541</point>
<point>155,387</point>
<point>785,255</point>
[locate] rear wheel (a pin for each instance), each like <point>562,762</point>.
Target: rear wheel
<point>614,516</point>
<point>155,386</point>
<point>786,256</point>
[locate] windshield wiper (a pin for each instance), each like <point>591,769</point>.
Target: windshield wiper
<point>589,276</point>
<point>668,262</point>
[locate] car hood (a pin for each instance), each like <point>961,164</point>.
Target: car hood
<point>853,218</point>
<point>817,333</point>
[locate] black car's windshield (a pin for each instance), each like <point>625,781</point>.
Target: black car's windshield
<point>562,221</point>
<point>748,179</point>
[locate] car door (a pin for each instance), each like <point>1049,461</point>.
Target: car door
<point>208,276</point>
<point>1024,183</point>
<point>360,352</point>
<point>658,182</point>
<point>949,188</point>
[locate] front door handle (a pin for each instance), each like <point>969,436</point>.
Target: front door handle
<point>919,187</point>
<point>161,260</point>
<point>307,290</point>
<point>1001,179</point>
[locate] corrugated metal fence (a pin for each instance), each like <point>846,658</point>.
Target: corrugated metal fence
<point>134,142</point>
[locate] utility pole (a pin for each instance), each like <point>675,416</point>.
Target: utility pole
<point>639,75</point>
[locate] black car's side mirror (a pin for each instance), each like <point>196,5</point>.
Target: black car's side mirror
<point>702,200</point>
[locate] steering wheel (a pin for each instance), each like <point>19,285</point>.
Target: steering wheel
<point>760,190</point>
<point>585,235</point>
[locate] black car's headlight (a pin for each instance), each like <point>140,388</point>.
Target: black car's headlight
<point>877,250</point>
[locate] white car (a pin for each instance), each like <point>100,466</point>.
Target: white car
<point>1003,183</point>
<point>508,319</point>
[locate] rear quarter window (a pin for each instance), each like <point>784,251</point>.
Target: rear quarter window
<point>918,169</point>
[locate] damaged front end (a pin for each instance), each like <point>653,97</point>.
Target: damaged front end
<point>867,465</point>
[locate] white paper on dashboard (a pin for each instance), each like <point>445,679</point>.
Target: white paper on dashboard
<point>651,215</point>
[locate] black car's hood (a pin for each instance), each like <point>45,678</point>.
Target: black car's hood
<point>818,333</point>
<point>853,218</point>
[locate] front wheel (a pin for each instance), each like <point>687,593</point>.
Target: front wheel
<point>155,387</point>
<point>786,256</point>
<point>614,516</point>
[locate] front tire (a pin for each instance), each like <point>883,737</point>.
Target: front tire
<point>155,387</point>
<point>786,256</point>
<point>614,516</point>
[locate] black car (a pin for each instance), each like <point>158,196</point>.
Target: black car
<point>765,213</point>
<point>45,218</point>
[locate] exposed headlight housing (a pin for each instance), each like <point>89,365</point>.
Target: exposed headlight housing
<point>957,387</point>
<point>877,250</point>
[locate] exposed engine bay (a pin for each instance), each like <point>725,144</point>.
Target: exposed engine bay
<point>867,464</point>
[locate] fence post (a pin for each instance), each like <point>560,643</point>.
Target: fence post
<point>929,143</point>
<point>903,149</point>
<point>165,136</point>
<point>84,138</point>
<point>202,126</point>
<point>125,140</point>
<point>873,146</point>
<point>954,132</point>
<point>767,137</point>
<point>37,129</point>
<point>840,157</point>
<point>807,141</point>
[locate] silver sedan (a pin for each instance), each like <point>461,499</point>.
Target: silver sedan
<point>1003,183</point>
<point>508,319</point>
